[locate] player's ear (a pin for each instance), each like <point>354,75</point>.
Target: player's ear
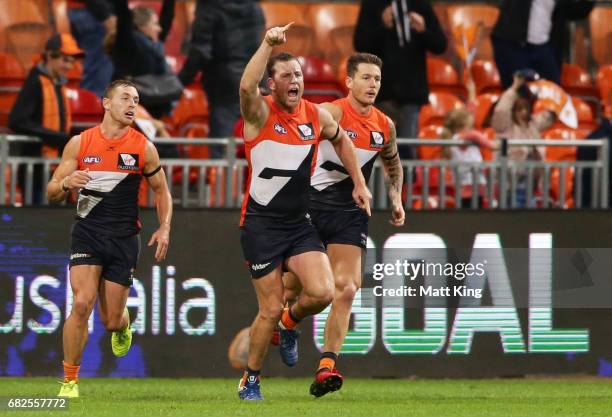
<point>271,84</point>
<point>106,103</point>
<point>348,82</point>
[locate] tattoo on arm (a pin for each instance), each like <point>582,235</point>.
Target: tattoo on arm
<point>393,167</point>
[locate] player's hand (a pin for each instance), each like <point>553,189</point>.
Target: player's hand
<point>78,179</point>
<point>387,17</point>
<point>362,197</point>
<point>397,214</point>
<point>417,22</point>
<point>276,35</point>
<point>162,237</point>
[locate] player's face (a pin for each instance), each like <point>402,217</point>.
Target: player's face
<point>287,84</point>
<point>365,84</point>
<point>122,104</point>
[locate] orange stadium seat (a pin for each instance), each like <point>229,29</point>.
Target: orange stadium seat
<point>601,34</point>
<point>86,109</point>
<point>190,116</point>
<point>486,77</point>
<point>334,25</point>
<point>439,105</point>
<point>430,152</point>
<point>442,77</point>
<point>320,84</point>
<point>484,105</point>
<point>468,15</point>
<point>302,34</point>
<point>576,81</point>
<point>12,75</point>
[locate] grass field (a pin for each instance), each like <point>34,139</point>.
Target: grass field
<point>359,397</point>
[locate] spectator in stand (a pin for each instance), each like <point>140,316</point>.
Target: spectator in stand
<point>513,119</point>
<point>401,33</point>
<point>138,46</point>
<point>225,35</point>
<point>459,125</point>
<point>534,34</point>
<point>90,22</point>
<point>42,108</point>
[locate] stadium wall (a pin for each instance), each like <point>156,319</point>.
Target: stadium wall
<point>188,309</point>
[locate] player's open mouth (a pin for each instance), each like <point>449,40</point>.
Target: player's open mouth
<point>129,114</point>
<point>371,94</point>
<point>293,92</point>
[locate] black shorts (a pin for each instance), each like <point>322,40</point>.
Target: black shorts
<point>348,227</point>
<point>118,256</point>
<point>267,244</point>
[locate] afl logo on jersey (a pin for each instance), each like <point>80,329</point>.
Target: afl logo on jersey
<point>280,129</point>
<point>351,134</point>
<point>128,161</point>
<point>306,131</point>
<point>89,159</point>
<point>377,140</point>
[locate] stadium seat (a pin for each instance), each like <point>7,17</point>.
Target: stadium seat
<point>576,81</point>
<point>302,34</point>
<point>320,84</point>
<point>442,77</point>
<point>334,25</point>
<point>601,34</point>
<point>484,105</point>
<point>470,16</point>
<point>430,152</point>
<point>439,105</point>
<point>86,109</point>
<point>12,74</point>
<point>190,116</point>
<point>486,77</point>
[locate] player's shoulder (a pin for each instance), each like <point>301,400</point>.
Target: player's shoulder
<point>334,108</point>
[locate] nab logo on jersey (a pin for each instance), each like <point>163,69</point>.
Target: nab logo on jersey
<point>128,161</point>
<point>280,129</point>
<point>352,135</point>
<point>89,159</point>
<point>306,131</point>
<point>377,140</point>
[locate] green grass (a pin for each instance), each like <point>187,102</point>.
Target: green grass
<point>358,397</point>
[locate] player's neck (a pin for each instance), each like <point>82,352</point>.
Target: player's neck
<point>360,108</point>
<point>111,129</point>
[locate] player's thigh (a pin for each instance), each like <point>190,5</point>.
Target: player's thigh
<point>269,291</point>
<point>84,281</point>
<point>313,272</point>
<point>113,298</point>
<point>291,282</point>
<point>346,263</point>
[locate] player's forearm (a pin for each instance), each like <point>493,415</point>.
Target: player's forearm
<point>55,192</point>
<point>255,69</point>
<point>346,152</point>
<point>394,178</point>
<point>164,207</point>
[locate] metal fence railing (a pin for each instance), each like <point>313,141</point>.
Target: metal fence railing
<point>428,184</point>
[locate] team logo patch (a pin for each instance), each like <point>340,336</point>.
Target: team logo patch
<point>377,140</point>
<point>92,159</point>
<point>128,161</point>
<point>280,129</point>
<point>352,135</point>
<point>306,131</point>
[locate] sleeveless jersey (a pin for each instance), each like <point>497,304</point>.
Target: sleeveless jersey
<point>331,185</point>
<point>281,161</point>
<point>109,202</point>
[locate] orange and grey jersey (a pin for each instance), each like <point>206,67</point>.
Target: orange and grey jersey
<point>109,202</point>
<point>331,185</point>
<point>281,161</point>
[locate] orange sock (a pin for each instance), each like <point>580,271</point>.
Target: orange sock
<point>71,372</point>
<point>287,320</point>
<point>328,363</point>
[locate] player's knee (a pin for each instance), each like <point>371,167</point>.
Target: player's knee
<point>323,296</point>
<point>113,324</point>
<point>81,308</point>
<point>345,293</point>
<point>270,313</point>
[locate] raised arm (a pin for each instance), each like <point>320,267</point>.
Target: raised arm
<point>66,177</point>
<point>330,129</point>
<point>252,105</point>
<point>394,177</point>
<point>163,200</point>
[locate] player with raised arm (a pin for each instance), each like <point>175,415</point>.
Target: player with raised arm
<point>106,165</point>
<point>282,132</point>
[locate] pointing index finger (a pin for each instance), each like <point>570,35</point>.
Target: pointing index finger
<point>287,26</point>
